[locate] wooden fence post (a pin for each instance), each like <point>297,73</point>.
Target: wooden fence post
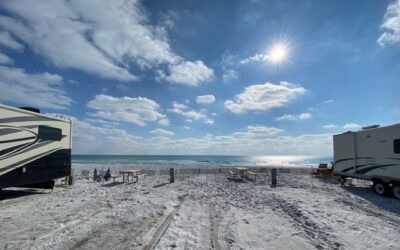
<point>171,175</point>
<point>273,177</point>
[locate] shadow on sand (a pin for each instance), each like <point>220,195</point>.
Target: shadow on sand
<point>237,180</point>
<point>388,203</point>
<point>131,182</point>
<point>9,194</point>
<point>112,184</point>
<point>161,184</point>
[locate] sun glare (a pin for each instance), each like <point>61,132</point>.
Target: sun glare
<point>277,54</point>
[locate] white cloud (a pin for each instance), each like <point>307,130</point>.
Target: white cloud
<point>4,59</point>
<point>258,131</point>
<point>187,73</point>
<point>205,99</point>
<point>98,37</point>
<point>163,121</point>
<point>230,75</point>
<point>71,81</point>
<point>263,97</point>
<point>95,139</point>
<point>103,122</point>
<point>299,117</point>
<point>329,126</point>
<point>162,132</point>
<point>304,116</point>
<point>178,106</point>
<point>353,126</point>
<point>209,121</point>
<point>61,36</point>
<point>168,19</point>
<point>329,101</point>
<point>255,58</point>
<point>391,25</point>
<point>42,90</point>
<point>7,40</point>
<point>276,53</point>
<point>262,129</point>
<point>85,129</point>
<point>183,110</point>
<point>254,140</point>
<point>136,110</point>
<point>229,60</point>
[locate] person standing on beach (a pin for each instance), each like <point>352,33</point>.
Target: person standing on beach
<point>95,174</point>
<point>107,176</point>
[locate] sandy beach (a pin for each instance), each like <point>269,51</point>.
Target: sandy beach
<point>138,124</point>
<point>200,211</point>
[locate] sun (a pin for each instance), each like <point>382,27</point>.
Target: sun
<point>278,53</point>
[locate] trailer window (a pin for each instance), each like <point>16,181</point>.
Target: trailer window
<point>396,145</point>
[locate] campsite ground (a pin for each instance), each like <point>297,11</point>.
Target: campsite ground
<point>200,211</point>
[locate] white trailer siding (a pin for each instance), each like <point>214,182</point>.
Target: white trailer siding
<point>368,154</point>
<point>22,139</point>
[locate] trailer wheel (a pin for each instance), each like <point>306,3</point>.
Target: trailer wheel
<point>396,191</point>
<point>342,180</point>
<point>380,188</point>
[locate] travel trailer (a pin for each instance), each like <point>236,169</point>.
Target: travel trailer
<point>372,153</point>
<point>35,149</point>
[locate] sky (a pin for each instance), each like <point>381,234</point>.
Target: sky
<point>231,77</point>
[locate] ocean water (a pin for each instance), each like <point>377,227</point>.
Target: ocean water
<point>198,160</point>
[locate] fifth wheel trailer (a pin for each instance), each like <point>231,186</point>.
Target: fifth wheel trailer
<point>35,149</point>
<point>372,153</point>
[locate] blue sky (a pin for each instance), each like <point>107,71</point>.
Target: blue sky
<point>199,77</point>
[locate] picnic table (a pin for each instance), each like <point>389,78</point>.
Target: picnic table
<point>242,171</point>
<point>127,173</point>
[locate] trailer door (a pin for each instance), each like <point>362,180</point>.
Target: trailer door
<point>345,158</point>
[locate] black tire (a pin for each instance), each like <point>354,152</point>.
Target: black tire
<point>342,180</point>
<point>380,188</point>
<point>396,191</point>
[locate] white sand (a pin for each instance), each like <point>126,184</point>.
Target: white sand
<point>207,211</point>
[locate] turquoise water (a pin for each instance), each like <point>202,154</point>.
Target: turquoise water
<point>199,160</point>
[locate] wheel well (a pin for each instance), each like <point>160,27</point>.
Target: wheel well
<point>375,180</point>
<point>395,183</point>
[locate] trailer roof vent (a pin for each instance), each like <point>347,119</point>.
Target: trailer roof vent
<point>36,110</point>
<point>370,127</point>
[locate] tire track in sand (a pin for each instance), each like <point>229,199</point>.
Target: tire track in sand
<point>318,236</point>
<point>214,229</point>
